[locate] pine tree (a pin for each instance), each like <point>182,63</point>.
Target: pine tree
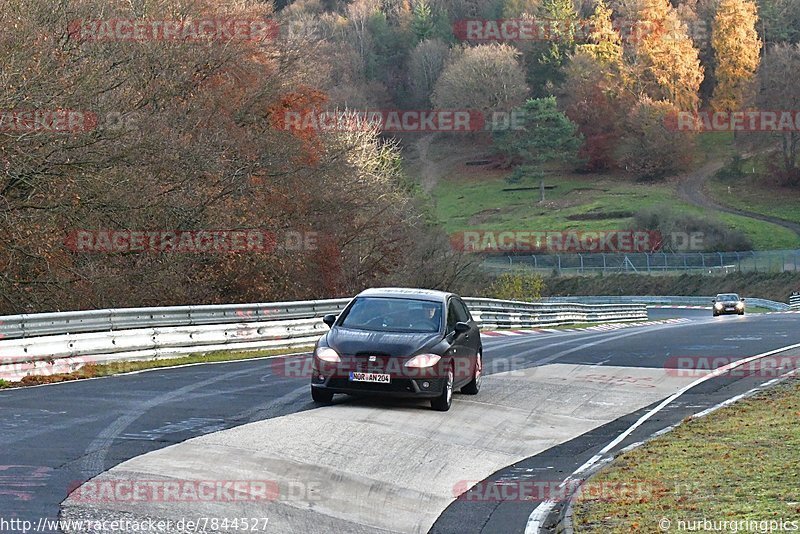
<point>546,59</point>
<point>737,49</point>
<point>422,23</point>
<point>563,16</point>
<point>547,135</point>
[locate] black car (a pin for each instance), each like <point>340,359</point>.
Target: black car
<point>728,303</point>
<point>402,343</point>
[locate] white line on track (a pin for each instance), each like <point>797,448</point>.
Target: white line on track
<point>540,513</point>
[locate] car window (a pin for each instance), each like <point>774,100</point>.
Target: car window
<point>455,314</point>
<point>393,315</point>
<point>462,311</point>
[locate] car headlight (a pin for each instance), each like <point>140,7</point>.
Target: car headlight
<point>423,360</point>
<point>740,305</point>
<point>718,305</point>
<point>327,354</point>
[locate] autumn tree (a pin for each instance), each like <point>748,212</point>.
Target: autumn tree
<point>604,42</point>
<point>651,149</point>
<point>425,64</point>
<point>594,89</point>
<point>663,59</point>
<point>188,136</point>
<point>483,78</point>
<point>737,49</point>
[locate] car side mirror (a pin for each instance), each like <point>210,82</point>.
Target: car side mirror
<point>713,301</point>
<point>742,300</point>
<point>329,320</point>
<point>462,328</point>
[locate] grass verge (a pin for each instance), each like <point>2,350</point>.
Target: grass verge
<point>752,192</point>
<point>739,463</point>
<point>98,370</point>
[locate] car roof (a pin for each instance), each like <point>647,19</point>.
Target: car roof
<point>406,292</point>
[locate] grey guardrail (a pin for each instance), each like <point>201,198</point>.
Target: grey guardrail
<point>73,322</point>
<point>49,343</point>
<point>495,313</point>
<point>666,301</point>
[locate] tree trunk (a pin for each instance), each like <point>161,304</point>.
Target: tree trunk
<point>541,189</point>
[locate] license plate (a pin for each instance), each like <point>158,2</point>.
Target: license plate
<point>370,377</point>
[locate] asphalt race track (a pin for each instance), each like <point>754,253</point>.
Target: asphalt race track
<point>550,401</point>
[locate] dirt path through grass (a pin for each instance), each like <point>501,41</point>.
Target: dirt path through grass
<point>691,188</point>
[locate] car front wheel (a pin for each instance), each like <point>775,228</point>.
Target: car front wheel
<point>442,402</point>
<point>475,386</point>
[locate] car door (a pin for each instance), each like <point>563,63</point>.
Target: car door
<point>462,347</point>
<point>474,337</point>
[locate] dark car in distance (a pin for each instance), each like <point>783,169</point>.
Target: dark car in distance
<point>728,303</point>
<point>399,342</point>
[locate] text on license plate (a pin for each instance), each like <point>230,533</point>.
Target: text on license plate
<point>369,377</point>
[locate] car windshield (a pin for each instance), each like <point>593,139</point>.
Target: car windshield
<point>393,315</point>
<point>728,297</point>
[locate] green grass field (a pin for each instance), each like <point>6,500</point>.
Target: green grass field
<point>753,193</point>
<point>475,197</point>
<point>737,464</point>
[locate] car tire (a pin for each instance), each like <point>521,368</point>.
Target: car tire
<point>741,313</point>
<point>321,396</point>
<point>715,314</point>
<point>475,385</point>
<point>443,402</point>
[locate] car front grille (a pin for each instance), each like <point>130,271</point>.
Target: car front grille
<point>396,385</point>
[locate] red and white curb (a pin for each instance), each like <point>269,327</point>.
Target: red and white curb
<point>660,307</point>
<point>601,327</point>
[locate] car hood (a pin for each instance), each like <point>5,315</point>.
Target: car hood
<point>349,342</point>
